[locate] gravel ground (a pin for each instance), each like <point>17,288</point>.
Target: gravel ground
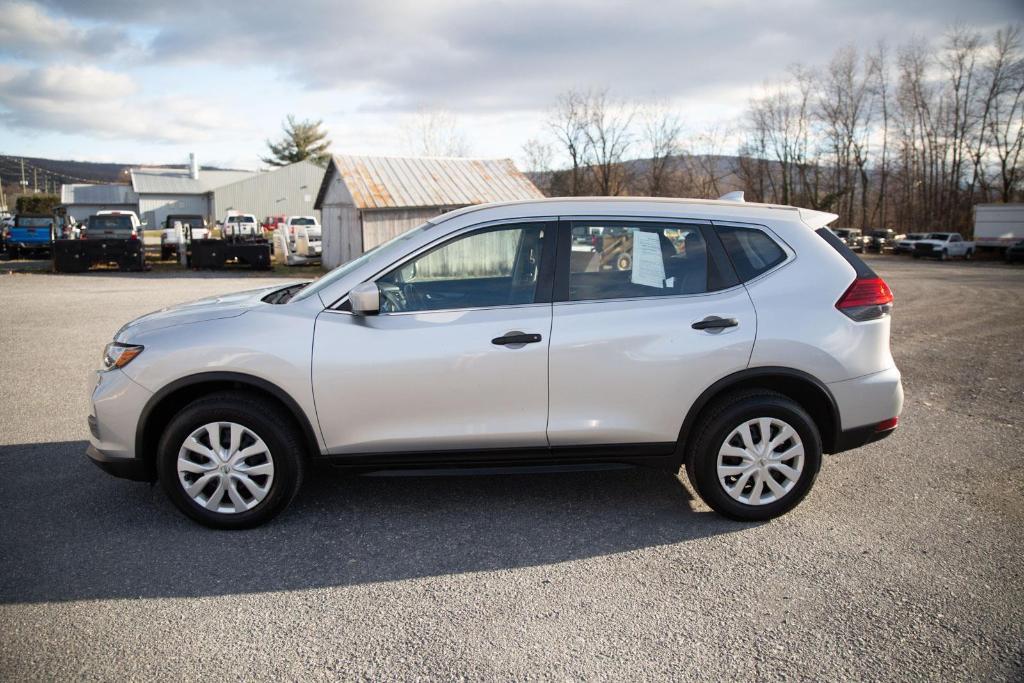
<point>903,563</point>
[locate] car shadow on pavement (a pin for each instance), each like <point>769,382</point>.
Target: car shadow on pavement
<point>71,532</point>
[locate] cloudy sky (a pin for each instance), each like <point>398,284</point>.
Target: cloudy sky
<point>147,82</point>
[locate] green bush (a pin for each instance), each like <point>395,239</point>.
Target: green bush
<point>37,203</point>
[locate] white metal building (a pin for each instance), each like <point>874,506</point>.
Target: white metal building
<point>365,201</point>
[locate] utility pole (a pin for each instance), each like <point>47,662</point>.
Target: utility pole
<point>35,181</point>
<point>24,183</point>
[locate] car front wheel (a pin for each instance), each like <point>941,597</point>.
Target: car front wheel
<point>230,460</point>
<point>755,457</point>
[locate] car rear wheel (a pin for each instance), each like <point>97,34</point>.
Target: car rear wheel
<point>755,456</point>
<point>230,460</point>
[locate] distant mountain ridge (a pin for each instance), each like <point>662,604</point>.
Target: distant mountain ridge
<point>59,171</point>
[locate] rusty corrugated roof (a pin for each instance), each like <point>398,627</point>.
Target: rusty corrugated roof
<point>398,182</point>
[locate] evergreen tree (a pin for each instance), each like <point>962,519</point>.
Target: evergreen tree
<point>302,140</point>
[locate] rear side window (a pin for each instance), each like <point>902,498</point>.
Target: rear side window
<point>619,260</point>
<point>863,270</point>
<point>752,251</point>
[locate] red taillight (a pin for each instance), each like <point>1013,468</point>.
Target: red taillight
<point>866,299</point>
<point>887,425</point>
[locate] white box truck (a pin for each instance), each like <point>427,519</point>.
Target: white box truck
<point>997,226</point>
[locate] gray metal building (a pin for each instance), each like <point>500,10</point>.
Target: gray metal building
<point>365,201</point>
<point>84,200</point>
<point>286,191</point>
<point>166,191</point>
<point>155,193</point>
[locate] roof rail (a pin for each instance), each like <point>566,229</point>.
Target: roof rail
<point>732,197</point>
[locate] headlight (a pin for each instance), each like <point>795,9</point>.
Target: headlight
<point>118,355</point>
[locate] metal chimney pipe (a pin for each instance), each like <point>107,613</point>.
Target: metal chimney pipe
<point>193,166</point>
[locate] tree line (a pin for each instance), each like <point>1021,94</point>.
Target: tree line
<point>909,138</point>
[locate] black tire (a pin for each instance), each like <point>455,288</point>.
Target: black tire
<point>716,425</point>
<point>263,417</point>
<point>968,255</point>
<point>943,255</point>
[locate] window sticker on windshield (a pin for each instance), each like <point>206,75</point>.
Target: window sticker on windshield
<point>648,265</point>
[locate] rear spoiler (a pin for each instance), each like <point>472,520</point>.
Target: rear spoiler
<point>816,219</point>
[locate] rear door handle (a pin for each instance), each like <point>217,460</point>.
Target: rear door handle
<point>516,337</point>
<point>713,322</point>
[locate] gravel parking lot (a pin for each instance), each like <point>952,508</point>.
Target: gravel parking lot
<point>904,562</point>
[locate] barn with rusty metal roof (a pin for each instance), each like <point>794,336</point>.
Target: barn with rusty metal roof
<point>365,201</point>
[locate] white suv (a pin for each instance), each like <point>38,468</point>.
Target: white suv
<point>741,342</point>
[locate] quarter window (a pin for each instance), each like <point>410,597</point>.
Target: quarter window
<point>752,251</point>
<point>626,260</point>
<point>492,267</point>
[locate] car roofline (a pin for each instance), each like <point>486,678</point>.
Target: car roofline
<point>813,218</point>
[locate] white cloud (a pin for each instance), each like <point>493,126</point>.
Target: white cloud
<point>26,31</point>
<point>92,101</point>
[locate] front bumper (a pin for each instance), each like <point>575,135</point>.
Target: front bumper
<point>117,403</point>
<point>125,468</point>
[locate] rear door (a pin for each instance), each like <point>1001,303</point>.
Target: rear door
<point>643,321</point>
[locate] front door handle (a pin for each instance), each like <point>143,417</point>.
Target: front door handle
<point>516,337</point>
<point>713,322</point>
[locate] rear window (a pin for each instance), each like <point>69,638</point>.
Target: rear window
<point>32,222</point>
<point>863,270</point>
<point>114,223</point>
<point>752,251</point>
<point>303,221</point>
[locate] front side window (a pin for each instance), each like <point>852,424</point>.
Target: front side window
<point>751,251</point>
<point>625,260</point>
<point>491,267</point>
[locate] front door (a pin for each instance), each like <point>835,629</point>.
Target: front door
<point>456,359</point>
<point>647,317</point>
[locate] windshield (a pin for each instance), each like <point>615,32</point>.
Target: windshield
<point>915,236</point>
<point>32,222</point>
<point>381,254</point>
<point>880,233</point>
<point>110,223</point>
<point>941,236</point>
<point>841,232</point>
<point>303,221</point>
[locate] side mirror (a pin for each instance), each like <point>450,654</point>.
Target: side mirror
<point>365,299</point>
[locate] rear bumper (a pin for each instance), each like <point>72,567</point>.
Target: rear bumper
<point>124,468</point>
<point>849,439</point>
<point>864,403</point>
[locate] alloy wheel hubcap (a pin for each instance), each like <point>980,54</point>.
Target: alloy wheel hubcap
<point>225,467</point>
<point>760,461</point>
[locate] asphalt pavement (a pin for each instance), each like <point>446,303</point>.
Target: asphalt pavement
<point>904,562</point>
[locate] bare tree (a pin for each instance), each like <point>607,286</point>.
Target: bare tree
<point>662,129</point>
<point>537,157</point>
<point>609,139</point>
<point>1006,120</point>
<point>435,133</point>
<point>568,121</point>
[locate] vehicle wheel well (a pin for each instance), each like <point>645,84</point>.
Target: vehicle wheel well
<point>156,417</point>
<point>812,397</point>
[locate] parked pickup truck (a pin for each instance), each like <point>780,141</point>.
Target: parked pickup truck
<point>943,245</point>
<point>29,235</point>
<point>906,245</point>
<point>176,231</point>
<point>108,237</point>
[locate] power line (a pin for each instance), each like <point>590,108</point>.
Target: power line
<point>57,174</point>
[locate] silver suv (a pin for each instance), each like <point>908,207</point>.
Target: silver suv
<point>740,341</point>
